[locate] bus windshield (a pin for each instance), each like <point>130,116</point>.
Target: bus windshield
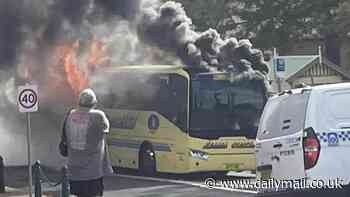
<point>220,108</point>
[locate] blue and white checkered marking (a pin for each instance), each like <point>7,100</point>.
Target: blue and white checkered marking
<point>333,139</point>
<point>344,136</point>
<point>330,138</point>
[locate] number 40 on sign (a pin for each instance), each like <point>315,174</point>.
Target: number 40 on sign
<point>27,98</point>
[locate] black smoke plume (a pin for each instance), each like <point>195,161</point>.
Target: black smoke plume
<point>170,28</point>
<point>10,35</point>
<point>133,32</point>
<point>165,26</point>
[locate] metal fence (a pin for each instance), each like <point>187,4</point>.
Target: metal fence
<point>41,177</point>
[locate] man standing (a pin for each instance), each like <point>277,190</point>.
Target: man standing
<point>83,138</point>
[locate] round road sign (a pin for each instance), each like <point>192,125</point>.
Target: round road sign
<point>27,98</point>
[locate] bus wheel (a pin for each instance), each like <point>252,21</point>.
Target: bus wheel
<point>147,160</point>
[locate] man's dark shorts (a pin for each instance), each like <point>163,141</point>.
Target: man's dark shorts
<point>87,188</point>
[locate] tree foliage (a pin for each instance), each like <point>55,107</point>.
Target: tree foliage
<point>279,23</point>
<point>343,19</point>
<point>205,14</point>
<point>271,23</point>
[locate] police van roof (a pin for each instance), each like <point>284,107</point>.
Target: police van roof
<point>331,86</point>
<point>318,88</point>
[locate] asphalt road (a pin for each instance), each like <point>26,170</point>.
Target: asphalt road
<point>130,184</point>
<point>127,184</point>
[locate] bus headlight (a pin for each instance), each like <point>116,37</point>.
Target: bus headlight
<point>199,154</point>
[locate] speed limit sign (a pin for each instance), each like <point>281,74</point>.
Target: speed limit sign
<point>27,98</point>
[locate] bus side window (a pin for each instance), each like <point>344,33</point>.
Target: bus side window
<point>125,93</point>
<point>163,93</point>
<point>179,87</point>
<point>171,99</point>
<point>108,100</point>
<point>164,99</point>
<point>138,93</point>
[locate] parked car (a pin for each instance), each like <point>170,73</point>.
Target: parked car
<point>304,134</point>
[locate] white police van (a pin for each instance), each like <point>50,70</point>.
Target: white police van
<point>305,134</point>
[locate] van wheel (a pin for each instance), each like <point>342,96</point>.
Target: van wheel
<point>147,158</point>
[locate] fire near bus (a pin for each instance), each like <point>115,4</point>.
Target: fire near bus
<point>178,119</point>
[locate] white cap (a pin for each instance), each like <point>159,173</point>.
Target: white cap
<point>87,98</point>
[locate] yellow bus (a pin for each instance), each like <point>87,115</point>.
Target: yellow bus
<point>167,119</point>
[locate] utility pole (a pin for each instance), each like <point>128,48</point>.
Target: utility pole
<point>320,57</point>
<point>320,61</point>
<point>278,79</point>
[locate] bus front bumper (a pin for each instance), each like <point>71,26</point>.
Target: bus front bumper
<point>222,162</point>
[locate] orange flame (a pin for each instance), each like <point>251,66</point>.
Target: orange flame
<point>68,67</point>
<point>98,55</point>
<point>76,78</point>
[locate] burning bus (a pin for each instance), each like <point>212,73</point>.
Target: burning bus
<point>177,120</point>
<point>198,117</point>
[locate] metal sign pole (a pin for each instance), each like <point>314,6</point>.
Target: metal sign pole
<point>27,99</point>
<point>29,154</point>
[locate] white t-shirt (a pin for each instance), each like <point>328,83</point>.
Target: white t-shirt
<point>87,155</point>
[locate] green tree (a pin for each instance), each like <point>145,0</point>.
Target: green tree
<point>217,14</point>
<point>343,19</point>
<point>271,23</point>
<point>279,23</point>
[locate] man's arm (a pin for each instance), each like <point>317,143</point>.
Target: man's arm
<point>63,144</point>
<point>105,123</point>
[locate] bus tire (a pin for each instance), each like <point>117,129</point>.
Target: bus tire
<point>147,160</point>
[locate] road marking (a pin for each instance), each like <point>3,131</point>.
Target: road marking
<point>243,174</point>
<point>146,189</point>
<point>195,184</point>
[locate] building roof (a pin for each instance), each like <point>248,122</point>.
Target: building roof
<point>297,66</point>
<point>315,62</point>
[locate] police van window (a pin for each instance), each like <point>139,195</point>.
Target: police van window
<point>294,113</point>
<point>269,123</point>
<point>337,102</point>
<point>333,114</point>
<point>284,116</point>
